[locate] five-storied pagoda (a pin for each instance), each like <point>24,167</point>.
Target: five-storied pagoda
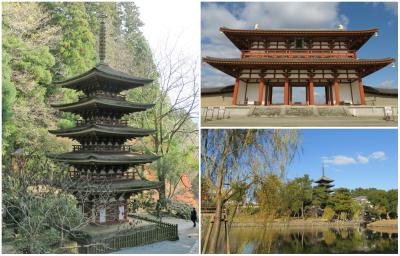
<point>325,182</point>
<point>285,60</point>
<point>102,158</point>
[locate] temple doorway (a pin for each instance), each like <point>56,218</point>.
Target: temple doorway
<point>320,95</point>
<point>298,95</point>
<point>277,97</point>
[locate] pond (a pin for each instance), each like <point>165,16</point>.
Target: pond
<point>310,240</point>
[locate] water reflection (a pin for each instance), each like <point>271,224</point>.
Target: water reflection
<point>311,240</point>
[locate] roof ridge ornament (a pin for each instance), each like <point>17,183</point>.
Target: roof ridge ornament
<point>102,39</point>
<point>340,27</point>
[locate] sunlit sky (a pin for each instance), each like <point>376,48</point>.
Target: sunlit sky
<point>328,15</point>
<point>352,157</point>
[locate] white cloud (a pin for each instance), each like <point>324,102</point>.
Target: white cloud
<point>362,159</point>
<point>378,155</point>
<point>339,160</point>
<point>387,84</point>
<point>391,7</point>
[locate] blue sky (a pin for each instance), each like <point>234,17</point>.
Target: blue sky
<point>352,157</point>
<point>300,15</point>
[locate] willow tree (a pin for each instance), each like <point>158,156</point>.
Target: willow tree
<point>232,157</point>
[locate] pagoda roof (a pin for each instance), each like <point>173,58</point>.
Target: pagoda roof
<point>103,74</point>
<point>98,130</point>
<point>106,158</point>
<point>100,102</point>
<point>357,38</point>
<point>230,65</point>
<point>324,179</point>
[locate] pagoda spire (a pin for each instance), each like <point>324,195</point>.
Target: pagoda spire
<point>102,39</point>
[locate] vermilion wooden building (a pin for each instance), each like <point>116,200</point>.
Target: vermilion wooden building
<point>298,58</point>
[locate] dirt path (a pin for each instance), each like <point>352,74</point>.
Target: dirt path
<point>188,241</point>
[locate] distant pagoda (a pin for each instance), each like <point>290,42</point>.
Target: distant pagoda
<point>102,158</point>
<point>325,182</point>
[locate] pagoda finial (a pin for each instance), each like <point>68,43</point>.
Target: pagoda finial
<point>102,38</point>
<point>323,170</point>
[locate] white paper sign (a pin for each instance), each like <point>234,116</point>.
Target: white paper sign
<point>102,215</point>
<point>121,212</point>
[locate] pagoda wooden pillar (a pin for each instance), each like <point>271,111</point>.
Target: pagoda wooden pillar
<point>260,91</point>
<point>286,92</point>
<point>336,85</point>
<point>361,88</point>
<point>235,92</point>
<point>311,91</point>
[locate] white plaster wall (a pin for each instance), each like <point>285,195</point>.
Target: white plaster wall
<point>242,89</point>
<point>356,92</point>
<point>252,92</point>
<point>344,92</point>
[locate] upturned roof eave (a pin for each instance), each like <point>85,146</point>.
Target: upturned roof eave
<point>316,61</point>
<point>102,158</point>
<point>299,31</point>
<point>96,71</point>
<point>231,34</point>
<point>104,102</point>
<point>230,66</point>
<point>100,129</point>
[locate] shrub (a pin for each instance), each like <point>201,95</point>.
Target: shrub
<point>329,213</point>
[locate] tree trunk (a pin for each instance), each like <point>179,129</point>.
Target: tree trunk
<point>302,210</point>
<point>214,237</point>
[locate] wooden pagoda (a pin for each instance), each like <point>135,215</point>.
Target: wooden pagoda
<point>102,158</point>
<point>283,60</point>
<point>325,182</point>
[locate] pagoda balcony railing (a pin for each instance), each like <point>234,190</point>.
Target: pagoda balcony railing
<point>101,121</point>
<point>303,54</point>
<point>103,95</point>
<point>103,148</point>
<point>99,178</point>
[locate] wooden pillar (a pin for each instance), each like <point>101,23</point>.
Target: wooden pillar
<point>336,85</point>
<point>330,94</point>
<point>311,93</point>
<point>260,91</point>
<point>286,91</point>
<point>270,93</point>
<point>307,96</point>
<point>235,92</point>
<point>326,95</point>
<point>361,88</point>
<point>267,101</point>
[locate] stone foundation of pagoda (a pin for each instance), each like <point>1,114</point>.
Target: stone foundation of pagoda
<point>281,92</point>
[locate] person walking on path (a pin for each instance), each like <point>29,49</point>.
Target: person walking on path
<point>193,216</point>
<point>158,209</point>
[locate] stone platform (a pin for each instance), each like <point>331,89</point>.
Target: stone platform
<point>297,116</point>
